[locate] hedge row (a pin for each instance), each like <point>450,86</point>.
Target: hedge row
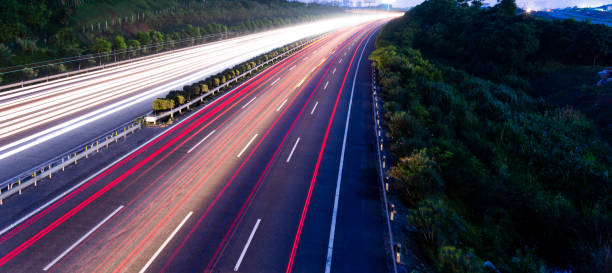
<point>176,98</point>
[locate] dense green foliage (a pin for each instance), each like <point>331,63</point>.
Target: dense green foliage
<point>492,44</point>
<point>45,29</point>
<point>517,50</point>
<point>491,175</point>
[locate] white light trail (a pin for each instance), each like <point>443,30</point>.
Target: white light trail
<point>95,95</point>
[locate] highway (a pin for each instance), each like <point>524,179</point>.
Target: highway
<point>276,176</point>
<point>40,121</point>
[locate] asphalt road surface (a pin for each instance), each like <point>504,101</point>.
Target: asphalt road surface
<point>257,181</point>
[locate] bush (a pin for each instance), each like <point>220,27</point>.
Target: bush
<point>453,259</point>
<point>57,68</point>
<point>30,73</point>
<point>416,177</point>
<point>160,104</point>
<point>204,88</point>
<point>177,96</point>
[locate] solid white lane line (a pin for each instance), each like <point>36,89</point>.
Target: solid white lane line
<point>246,246</point>
<point>292,67</point>
<point>293,149</point>
<point>159,250</point>
<point>315,107</point>
<point>325,87</point>
<point>313,69</point>
<point>340,61</point>
<point>275,81</point>
<point>334,72</point>
<point>332,229</point>
<point>247,104</point>
<point>247,146</point>
<point>82,239</point>
<point>195,146</point>
<point>281,106</point>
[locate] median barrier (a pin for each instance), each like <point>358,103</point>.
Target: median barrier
<point>155,118</point>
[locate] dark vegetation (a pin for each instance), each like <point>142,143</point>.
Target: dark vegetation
<point>494,176</point>
<point>39,30</point>
<point>557,60</point>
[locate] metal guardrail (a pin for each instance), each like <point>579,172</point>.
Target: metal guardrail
<point>59,163</point>
<point>394,249</point>
<point>154,119</point>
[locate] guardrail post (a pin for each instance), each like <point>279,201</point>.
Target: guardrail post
<point>393,212</point>
<point>124,133</point>
<point>19,184</point>
<point>97,146</point>
<point>398,247</point>
<point>384,161</point>
<point>62,163</point>
<point>107,142</point>
<point>35,180</point>
<point>387,184</point>
<point>86,155</point>
<point>116,138</point>
<point>49,170</point>
<point>75,159</point>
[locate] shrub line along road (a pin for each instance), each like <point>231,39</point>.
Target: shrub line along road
<point>247,183</point>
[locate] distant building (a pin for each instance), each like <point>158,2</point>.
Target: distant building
<point>346,3</point>
<point>358,4</point>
